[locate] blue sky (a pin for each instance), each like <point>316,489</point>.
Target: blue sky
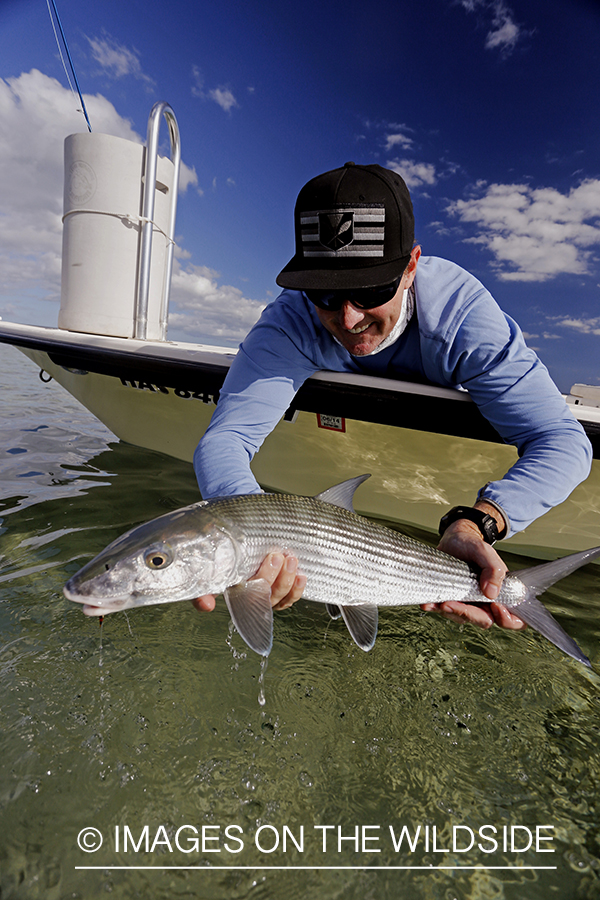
<point>487,108</point>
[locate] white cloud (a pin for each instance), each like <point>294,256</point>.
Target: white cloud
<point>503,31</point>
<point>224,97</point>
<point>200,305</point>
<point>504,36</point>
<point>198,85</point>
<point>583,325</point>
<point>398,140</point>
<point>414,173</point>
<point>36,114</point>
<point>221,95</point>
<point>117,60</point>
<point>188,178</point>
<point>535,234</point>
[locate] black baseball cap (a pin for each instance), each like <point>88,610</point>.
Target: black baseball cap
<point>355,229</point>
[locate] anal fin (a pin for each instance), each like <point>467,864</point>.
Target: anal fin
<point>249,605</point>
<point>361,620</point>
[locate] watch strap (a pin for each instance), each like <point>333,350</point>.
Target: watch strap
<point>486,523</point>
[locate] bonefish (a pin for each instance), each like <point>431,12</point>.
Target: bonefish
<point>351,563</point>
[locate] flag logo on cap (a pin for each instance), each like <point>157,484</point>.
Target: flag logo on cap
<point>336,230</point>
<point>351,230</point>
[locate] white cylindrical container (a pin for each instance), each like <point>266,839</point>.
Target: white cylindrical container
<point>101,235</point>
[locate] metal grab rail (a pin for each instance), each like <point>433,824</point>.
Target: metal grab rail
<point>141,308</point>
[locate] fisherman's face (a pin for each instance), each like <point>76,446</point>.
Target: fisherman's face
<point>360,331</point>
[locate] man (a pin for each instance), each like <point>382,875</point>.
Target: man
<point>360,298</point>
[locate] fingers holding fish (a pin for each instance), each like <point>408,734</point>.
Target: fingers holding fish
<point>462,613</point>
<point>205,604</point>
<point>280,570</point>
<point>493,570</point>
<point>505,619</point>
<point>469,546</point>
<point>465,542</point>
<point>484,615</point>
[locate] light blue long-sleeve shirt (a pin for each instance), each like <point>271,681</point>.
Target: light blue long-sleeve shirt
<point>457,336</point>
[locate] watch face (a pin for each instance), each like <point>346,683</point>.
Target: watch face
<point>491,529</point>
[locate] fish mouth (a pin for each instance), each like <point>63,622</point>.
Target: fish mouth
<point>99,608</point>
<point>89,610</point>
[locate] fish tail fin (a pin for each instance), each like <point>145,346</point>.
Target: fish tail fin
<point>538,579</point>
<point>534,613</point>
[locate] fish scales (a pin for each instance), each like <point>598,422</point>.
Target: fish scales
<point>338,551</point>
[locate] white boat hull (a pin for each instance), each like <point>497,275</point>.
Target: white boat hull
<point>416,475</point>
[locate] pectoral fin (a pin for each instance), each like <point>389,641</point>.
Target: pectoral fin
<point>334,611</point>
<point>249,605</point>
<point>361,621</point>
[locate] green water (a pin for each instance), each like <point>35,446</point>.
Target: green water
<point>151,731</point>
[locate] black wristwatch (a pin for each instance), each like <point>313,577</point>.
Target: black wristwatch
<point>486,523</point>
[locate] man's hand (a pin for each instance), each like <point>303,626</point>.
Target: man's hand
<point>463,540</point>
<point>281,572</point>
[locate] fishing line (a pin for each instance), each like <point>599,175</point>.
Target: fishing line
<point>60,53</point>
<point>128,625</point>
<point>66,46</point>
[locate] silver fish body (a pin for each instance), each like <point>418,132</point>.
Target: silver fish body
<point>350,562</point>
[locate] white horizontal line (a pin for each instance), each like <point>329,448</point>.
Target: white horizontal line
<point>376,235</point>
<point>363,215</point>
<point>328,868</point>
<point>344,252</point>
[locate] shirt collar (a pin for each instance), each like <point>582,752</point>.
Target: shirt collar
<point>406,313</point>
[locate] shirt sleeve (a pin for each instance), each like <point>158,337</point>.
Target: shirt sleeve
<point>272,363</point>
<point>513,389</point>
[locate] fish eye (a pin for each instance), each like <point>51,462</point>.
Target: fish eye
<point>157,558</point>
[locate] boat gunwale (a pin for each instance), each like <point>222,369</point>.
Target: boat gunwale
<point>201,367</point>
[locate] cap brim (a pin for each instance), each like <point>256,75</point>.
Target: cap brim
<point>296,276</point>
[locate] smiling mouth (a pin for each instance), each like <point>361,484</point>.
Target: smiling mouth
<point>359,329</point>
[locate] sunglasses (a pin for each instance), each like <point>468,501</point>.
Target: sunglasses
<point>365,298</point>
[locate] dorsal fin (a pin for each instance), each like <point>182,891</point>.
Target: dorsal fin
<point>361,621</point>
<point>342,494</point>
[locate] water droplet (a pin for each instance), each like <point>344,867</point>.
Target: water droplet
<point>261,680</point>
